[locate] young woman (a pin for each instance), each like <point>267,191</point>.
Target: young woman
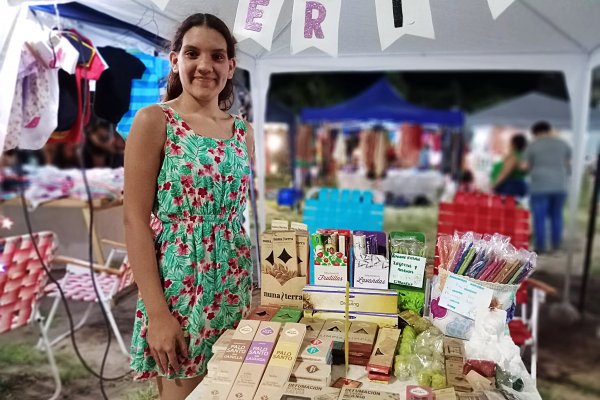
<point>508,178</point>
<point>187,162</point>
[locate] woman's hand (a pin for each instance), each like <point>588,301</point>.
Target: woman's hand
<point>166,342</point>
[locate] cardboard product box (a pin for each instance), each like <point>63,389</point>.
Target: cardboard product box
<point>371,271</point>
<point>454,349</point>
<point>471,396</point>
<point>333,329</point>
<point>361,339</point>
<point>233,357</point>
<point>414,392</point>
<point>445,394</point>
<point>309,391</point>
<point>361,300</point>
<point>223,341</point>
<point>263,313</point>
<point>362,361</point>
<point>303,251</point>
<point>312,372</point>
<point>383,320</point>
<point>281,283</point>
<point>285,251</point>
<point>267,257</point>
<point>379,378</point>
<point>316,350</point>
<point>455,376</point>
<point>255,362</point>
<point>313,327</point>
<point>282,362</point>
<point>349,393</point>
<point>287,314</point>
<point>213,364</point>
<point>331,250</point>
<point>280,225</point>
<point>382,358</point>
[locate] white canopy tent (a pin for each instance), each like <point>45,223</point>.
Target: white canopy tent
<point>525,110</point>
<point>532,35</point>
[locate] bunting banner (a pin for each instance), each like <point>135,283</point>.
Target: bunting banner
<point>396,18</point>
<point>315,23</point>
<point>256,20</point>
<point>497,7</point>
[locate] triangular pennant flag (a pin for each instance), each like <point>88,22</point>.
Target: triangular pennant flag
<point>162,4</point>
<point>396,18</point>
<point>256,20</point>
<point>315,23</point>
<point>497,7</point>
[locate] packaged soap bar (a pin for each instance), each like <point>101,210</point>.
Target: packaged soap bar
<point>419,393</point>
<point>316,350</point>
<point>287,314</point>
<point>282,362</point>
<point>312,372</point>
<point>255,362</point>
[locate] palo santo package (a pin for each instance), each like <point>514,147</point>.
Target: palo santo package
<point>282,362</point>
<point>223,341</point>
<point>255,362</point>
<point>284,264</point>
<point>233,357</point>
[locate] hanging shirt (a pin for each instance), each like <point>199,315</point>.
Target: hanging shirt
<point>113,89</point>
<point>145,91</point>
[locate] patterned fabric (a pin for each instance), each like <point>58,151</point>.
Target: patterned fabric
<point>144,91</point>
<point>202,248</point>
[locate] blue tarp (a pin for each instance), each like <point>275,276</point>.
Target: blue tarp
<point>381,102</point>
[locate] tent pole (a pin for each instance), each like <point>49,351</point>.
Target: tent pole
<point>259,86</point>
<point>579,84</point>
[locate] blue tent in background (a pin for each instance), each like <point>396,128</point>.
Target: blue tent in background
<point>381,102</point>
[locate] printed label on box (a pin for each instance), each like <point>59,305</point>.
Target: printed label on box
<point>465,297</point>
<point>329,275</point>
<point>371,271</point>
<point>407,270</point>
<point>259,352</point>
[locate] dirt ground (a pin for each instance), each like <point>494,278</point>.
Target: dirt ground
<point>568,362</point>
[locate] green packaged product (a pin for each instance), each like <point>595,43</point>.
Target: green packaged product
<point>287,314</point>
<point>407,269</point>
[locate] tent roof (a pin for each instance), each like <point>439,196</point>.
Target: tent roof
<point>465,28</point>
<point>525,110</point>
<point>381,102</point>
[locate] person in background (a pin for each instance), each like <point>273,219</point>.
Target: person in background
<point>99,145</point>
<point>508,178</point>
<point>548,160</point>
<point>467,181</point>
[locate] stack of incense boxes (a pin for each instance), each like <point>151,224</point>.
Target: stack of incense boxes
<point>380,363</point>
<point>361,340</point>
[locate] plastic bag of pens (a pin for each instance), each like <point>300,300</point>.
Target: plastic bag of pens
<point>485,260</point>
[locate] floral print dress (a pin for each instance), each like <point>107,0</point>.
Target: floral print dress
<point>202,248</point>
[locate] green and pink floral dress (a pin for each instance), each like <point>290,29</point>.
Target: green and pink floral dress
<point>202,248</point>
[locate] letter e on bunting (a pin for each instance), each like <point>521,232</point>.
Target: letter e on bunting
<point>315,23</point>
<point>396,18</point>
<point>497,7</point>
<point>256,20</point>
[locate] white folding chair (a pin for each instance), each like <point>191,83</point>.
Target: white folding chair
<point>77,285</point>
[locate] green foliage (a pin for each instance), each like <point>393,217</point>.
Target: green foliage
<point>147,393</point>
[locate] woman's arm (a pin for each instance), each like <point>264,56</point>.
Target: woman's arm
<point>143,154</point>
<point>250,141</point>
<point>510,163</point>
